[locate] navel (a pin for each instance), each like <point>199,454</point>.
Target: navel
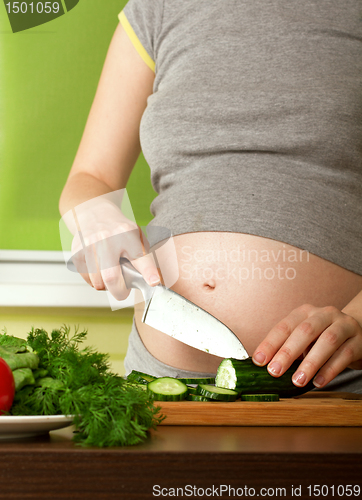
<point>209,285</point>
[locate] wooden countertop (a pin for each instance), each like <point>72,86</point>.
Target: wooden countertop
<point>52,467</point>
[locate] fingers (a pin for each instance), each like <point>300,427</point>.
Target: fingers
<point>103,235</point>
<point>278,336</point>
<point>329,346</point>
<point>135,251</point>
<point>96,258</point>
<point>331,339</point>
<point>114,282</point>
<point>93,267</point>
<point>147,267</point>
<point>349,354</point>
<point>301,338</point>
<point>113,278</point>
<point>78,259</point>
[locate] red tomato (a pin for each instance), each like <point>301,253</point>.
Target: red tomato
<point>7,386</point>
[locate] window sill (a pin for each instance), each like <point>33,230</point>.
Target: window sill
<point>41,279</point>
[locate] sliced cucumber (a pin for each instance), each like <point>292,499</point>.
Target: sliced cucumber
<point>218,393</point>
<point>167,389</point>
<point>142,378</point>
<point>196,381</point>
<point>192,390</point>
<point>197,397</point>
<point>260,397</point>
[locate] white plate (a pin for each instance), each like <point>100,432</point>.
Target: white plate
<point>27,426</point>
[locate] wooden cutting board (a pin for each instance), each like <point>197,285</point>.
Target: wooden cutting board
<point>322,409</point>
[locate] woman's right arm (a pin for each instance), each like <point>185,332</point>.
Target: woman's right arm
<point>107,153</point>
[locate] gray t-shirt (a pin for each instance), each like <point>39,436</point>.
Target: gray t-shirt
<point>255,122</point>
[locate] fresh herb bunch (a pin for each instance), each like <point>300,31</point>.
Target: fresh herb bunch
<point>108,410</point>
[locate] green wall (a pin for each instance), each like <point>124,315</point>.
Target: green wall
<point>48,78</point>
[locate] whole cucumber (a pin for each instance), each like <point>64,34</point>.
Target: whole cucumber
<point>247,378</point>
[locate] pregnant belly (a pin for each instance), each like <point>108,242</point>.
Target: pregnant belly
<point>249,283</point>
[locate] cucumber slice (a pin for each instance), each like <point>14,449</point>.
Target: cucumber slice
<point>142,378</point>
<point>218,393</point>
<point>260,397</point>
<point>193,391</point>
<point>196,381</point>
<point>197,397</point>
<point>167,389</point>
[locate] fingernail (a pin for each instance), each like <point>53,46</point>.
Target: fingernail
<point>299,378</point>
<point>153,279</point>
<point>319,381</point>
<point>259,357</point>
<point>275,368</point>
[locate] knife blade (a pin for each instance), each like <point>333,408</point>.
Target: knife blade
<point>181,319</point>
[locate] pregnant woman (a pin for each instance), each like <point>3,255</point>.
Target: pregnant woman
<point>250,117</point>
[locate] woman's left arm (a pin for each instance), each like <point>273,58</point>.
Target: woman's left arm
<point>329,339</point>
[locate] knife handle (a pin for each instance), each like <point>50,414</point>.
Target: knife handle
<point>134,279</point>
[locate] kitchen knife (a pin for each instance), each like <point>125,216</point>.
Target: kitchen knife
<point>181,319</point>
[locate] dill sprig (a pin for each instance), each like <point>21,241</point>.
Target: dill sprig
<point>108,410</point>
